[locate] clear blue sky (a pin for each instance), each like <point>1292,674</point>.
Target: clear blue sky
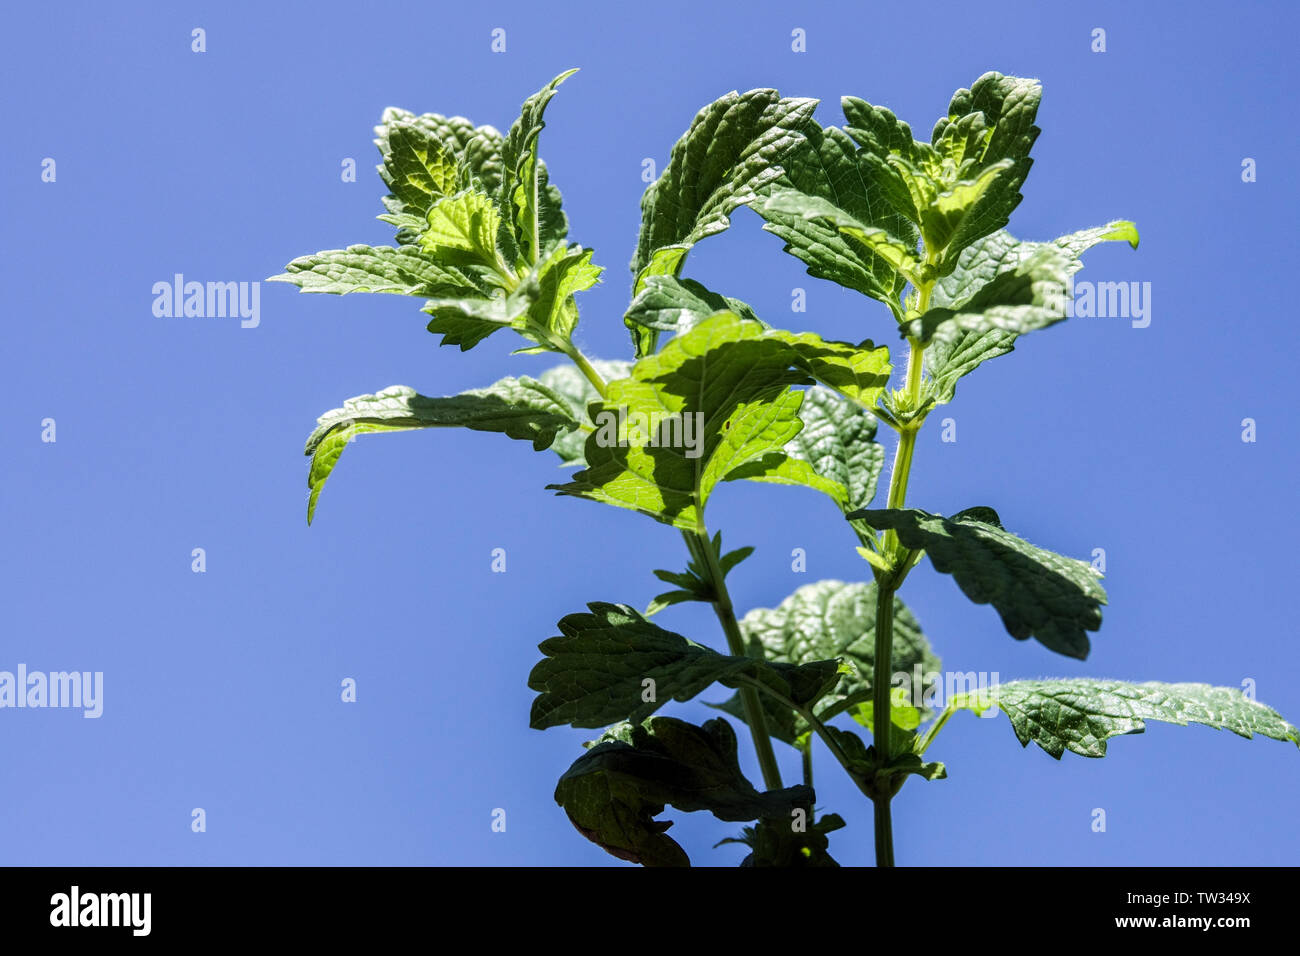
<point>222,688</point>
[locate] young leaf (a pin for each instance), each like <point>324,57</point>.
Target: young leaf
<point>1037,593</point>
<point>535,217</point>
<point>695,583</point>
<point>430,156</point>
<point>520,407</point>
<point>537,308</point>
<point>731,150</point>
<point>832,619</point>
<point>1081,714</point>
<point>595,673</point>
<point>826,171</point>
<point>1005,133</point>
<point>615,790</point>
<point>948,359</point>
<point>714,400</point>
<point>462,228</point>
<point>774,843</point>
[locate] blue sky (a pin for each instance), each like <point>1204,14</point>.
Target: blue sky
<point>222,689</point>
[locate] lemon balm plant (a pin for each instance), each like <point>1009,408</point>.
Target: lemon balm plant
<point>713,394</point>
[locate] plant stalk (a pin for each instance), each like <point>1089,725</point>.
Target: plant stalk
<point>887,585</point>
<point>700,546</point>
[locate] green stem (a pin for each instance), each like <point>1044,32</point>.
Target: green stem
<point>700,546</point>
<point>887,584</point>
<point>881,714</point>
<point>587,369</point>
<point>884,833</point>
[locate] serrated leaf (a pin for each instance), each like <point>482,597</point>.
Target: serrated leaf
<point>594,673</point>
<point>415,149</point>
<point>829,170</point>
<point>1024,298</point>
<point>669,304</point>
<point>858,372</point>
<point>713,400</point>
<point>613,792</point>
<point>521,408</point>
<point>462,227</point>
<point>1037,593</point>
<point>1005,134</point>
<point>402,271</point>
<point>536,218</point>
<point>832,619</point>
<point>538,308</point>
<point>948,360</point>
<point>1081,714</point>
<point>732,149</point>
<point>837,445</point>
<point>418,169</point>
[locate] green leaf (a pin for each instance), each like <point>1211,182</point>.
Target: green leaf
<point>731,150</point>
<point>538,308</point>
<point>401,271</point>
<point>837,445</point>
<point>417,151</point>
<point>519,407</point>
<point>1081,714</point>
<point>418,169</point>
<point>1037,593</point>
<point>1003,134</point>
<point>829,172</point>
<point>462,228</point>
<point>949,359</point>
<point>826,620</point>
<point>615,790</point>
<point>536,219</point>
<point>714,400</point>
<point>858,372</point>
<point>696,583</point>
<point>1027,297</point>
<point>596,672</point>
<point>669,304</point>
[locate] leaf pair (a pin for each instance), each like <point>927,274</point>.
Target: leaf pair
<point>480,229</point>
<point>714,405</point>
<point>853,202</point>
